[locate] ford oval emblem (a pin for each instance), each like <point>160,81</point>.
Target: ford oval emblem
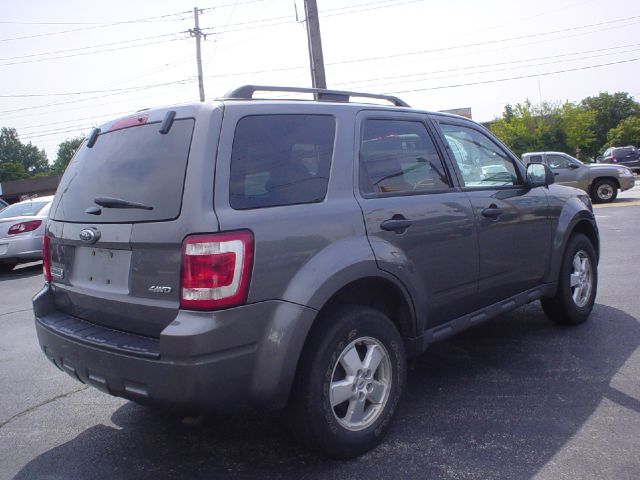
<point>89,235</point>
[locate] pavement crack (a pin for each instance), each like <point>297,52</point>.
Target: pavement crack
<point>42,404</point>
<point>15,311</point>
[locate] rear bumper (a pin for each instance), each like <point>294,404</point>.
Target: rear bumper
<point>202,360</point>
<point>21,247</point>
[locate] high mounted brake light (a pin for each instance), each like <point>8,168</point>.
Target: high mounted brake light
<point>216,270</point>
<point>129,122</point>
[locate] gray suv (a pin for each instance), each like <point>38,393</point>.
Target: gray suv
<point>628,156</point>
<point>293,255</point>
<point>600,181</point>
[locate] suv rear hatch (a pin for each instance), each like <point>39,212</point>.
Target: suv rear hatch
<point>115,236</point>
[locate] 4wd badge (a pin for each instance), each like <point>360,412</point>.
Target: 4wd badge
<point>159,289</point>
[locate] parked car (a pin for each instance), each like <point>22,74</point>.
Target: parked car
<point>602,182</point>
<point>293,254</point>
<point>22,228</point>
<point>628,156</point>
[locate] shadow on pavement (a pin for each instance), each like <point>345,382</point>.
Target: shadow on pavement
<point>22,271</point>
<point>495,402</point>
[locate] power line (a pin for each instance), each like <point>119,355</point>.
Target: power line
<point>84,92</point>
<point>395,4</point>
<point>93,117</point>
<point>441,87</point>
<point>124,89</point>
<point>95,25</point>
<point>86,48</point>
<point>472,67</point>
<point>420,52</point>
<point>325,13</point>
<point>124,47</point>
<point>104,25</point>
<point>65,130</point>
<point>471,83</point>
<point>183,81</point>
<point>219,40</point>
<point>489,42</point>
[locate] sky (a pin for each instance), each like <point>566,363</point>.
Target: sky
<point>67,66</point>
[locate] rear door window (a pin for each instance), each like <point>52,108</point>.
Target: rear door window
<point>136,164</point>
<point>280,160</point>
<point>398,156</point>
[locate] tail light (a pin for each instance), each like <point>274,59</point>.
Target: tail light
<point>216,270</point>
<point>23,227</point>
<point>46,259</point>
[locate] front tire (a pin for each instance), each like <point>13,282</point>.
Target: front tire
<point>577,284</point>
<point>349,382</point>
<point>604,191</point>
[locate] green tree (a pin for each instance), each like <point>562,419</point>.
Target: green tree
<point>626,133</point>
<point>579,128</point>
<point>12,171</point>
<point>609,110</point>
<point>526,128</point>
<point>12,150</point>
<point>66,151</point>
<point>517,127</point>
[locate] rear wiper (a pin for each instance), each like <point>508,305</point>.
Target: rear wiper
<point>109,202</point>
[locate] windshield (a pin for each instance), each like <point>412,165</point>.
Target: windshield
<point>135,165</point>
<point>22,209</point>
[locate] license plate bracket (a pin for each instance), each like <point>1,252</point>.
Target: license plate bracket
<point>102,269</point>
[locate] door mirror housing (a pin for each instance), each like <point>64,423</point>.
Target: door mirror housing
<point>573,166</point>
<point>539,175</point>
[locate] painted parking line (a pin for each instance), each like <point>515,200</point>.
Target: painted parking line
<point>632,203</point>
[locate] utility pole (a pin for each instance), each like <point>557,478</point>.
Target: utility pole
<point>196,32</point>
<point>316,60</point>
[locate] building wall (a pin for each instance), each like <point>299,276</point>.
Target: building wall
<point>17,190</point>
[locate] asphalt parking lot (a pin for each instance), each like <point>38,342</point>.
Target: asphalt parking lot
<point>515,398</point>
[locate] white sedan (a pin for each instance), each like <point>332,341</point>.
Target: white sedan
<point>21,230</point>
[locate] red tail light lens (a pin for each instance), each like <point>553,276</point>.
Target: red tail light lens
<point>24,227</point>
<point>216,270</point>
<point>46,259</point>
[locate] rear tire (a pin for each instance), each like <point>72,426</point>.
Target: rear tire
<point>577,284</point>
<point>349,382</point>
<point>604,191</point>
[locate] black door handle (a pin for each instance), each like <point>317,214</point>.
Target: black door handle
<point>492,212</point>
<point>396,224</point>
<point>556,173</point>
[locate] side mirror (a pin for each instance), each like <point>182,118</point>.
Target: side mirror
<point>573,166</point>
<point>539,175</point>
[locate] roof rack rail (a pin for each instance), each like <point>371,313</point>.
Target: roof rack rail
<point>246,92</point>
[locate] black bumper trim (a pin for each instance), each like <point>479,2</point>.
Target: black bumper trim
<point>101,337</point>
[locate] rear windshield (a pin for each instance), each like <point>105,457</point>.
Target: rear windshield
<point>624,150</point>
<point>22,209</point>
<point>136,164</point>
